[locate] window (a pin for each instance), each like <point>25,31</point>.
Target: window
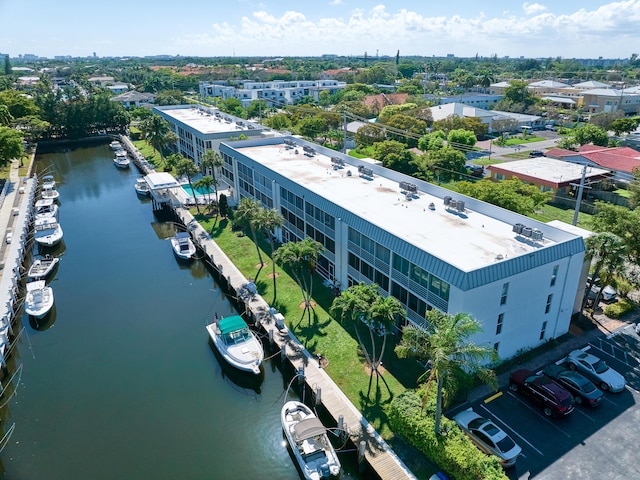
<point>553,277</point>
<point>505,290</point>
<point>401,264</point>
<point>542,330</point>
<point>499,324</point>
<point>548,307</point>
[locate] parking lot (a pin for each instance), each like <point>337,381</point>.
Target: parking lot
<point>600,442</point>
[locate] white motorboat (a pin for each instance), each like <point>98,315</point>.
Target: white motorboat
<point>41,268</point>
<point>51,193</point>
<point>48,181</point>
<point>236,343</point>
<point>142,187</point>
<point>39,299</point>
<point>46,208</point>
<point>183,246</point>
<point>121,159</point>
<point>309,441</point>
<point>115,145</point>
<point>48,232</point>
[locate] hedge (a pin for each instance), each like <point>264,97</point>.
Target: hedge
<point>452,450</point>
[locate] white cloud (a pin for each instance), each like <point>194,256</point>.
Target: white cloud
<point>533,8</point>
<point>335,2</point>
<point>610,31</point>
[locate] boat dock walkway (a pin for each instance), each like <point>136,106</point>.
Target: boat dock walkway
<point>380,457</point>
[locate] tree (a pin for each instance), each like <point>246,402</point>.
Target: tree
<point>444,342</point>
<point>394,155</point>
<point>7,65</point>
<point>5,116</point>
<point>622,222</point>
<point>187,168</point>
<point>634,189</point>
<point>248,214</point>
<point>154,130</point>
<point>512,194</point>
<point>624,125</point>
<point>367,135</point>
<point>405,128</point>
<point>301,258</point>
<point>590,134</point>
<point>206,183</point>
<point>279,121</point>
<point>362,304</point>
<point>211,161</point>
<point>223,205</point>
<point>446,164</point>
<point>170,97</point>
<point>432,141</point>
<point>312,127</point>
<point>10,145</point>
<point>461,139</point>
<point>607,251</point>
<point>271,221</point>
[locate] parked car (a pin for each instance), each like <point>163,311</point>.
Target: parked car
<point>553,128</point>
<point>536,153</point>
<point>488,437</point>
<point>596,369</point>
<point>583,390</point>
<point>554,400</point>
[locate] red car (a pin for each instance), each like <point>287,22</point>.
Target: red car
<point>554,400</point>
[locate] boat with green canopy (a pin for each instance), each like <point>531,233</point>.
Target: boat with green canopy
<point>237,344</point>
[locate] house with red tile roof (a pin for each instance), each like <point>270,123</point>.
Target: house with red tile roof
<point>619,160</point>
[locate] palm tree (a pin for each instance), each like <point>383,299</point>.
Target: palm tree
<point>212,160</point>
<point>363,304</point>
<point>485,78</point>
<point>248,213</point>
<point>270,221</point>
<point>206,183</point>
<point>187,168</point>
<point>444,343</point>
<point>607,251</point>
<point>301,258</point>
<point>155,128</point>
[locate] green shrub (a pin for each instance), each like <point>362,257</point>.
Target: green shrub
<point>618,309</point>
<point>452,450</point>
<point>623,286</point>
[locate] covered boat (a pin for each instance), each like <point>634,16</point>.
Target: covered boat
<point>309,442</point>
<point>121,159</point>
<point>237,344</point>
<point>46,208</point>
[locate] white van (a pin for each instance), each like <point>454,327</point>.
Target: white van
<point>526,129</point>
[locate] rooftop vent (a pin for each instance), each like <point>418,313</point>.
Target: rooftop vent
<point>337,161</point>
<point>365,172</point>
<point>310,151</point>
<point>447,199</point>
<point>408,187</point>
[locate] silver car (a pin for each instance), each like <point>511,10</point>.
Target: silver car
<point>597,370</point>
<point>488,437</point>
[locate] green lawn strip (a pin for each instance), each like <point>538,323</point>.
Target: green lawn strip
<point>623,192</point>
<point>325,335</point>
<point>517,155</point>
<point>546,213</point>
<point>523,140</point>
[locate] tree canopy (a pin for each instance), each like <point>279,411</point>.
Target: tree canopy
<point>512,194</point>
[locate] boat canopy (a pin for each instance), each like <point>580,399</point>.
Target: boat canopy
<point>231,324</point>
<point>39,285</point>
<point>308,428</point>
<point>182,235</point>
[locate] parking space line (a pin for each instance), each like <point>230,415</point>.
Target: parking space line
<point>624,361</point>
<point>611,401</point>
<point>583,413</point>
<point>511,429</point>
<point>493,397</point>
<point>632,390</point>
<point>541,416</point>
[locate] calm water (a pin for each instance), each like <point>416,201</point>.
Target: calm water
<point>120,381</point>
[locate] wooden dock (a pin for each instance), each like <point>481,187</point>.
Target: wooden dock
<point>377,453</point>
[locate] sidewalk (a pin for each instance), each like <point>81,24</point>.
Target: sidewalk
<point>577,339</point>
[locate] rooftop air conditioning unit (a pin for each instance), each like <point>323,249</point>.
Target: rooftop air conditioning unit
<point>460,206</point>
<point>536,234</point>
<point>447,199</point>
<point>517,228</point>
<point>527,231</point>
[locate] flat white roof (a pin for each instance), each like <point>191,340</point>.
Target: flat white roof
<point>548,169</point>
<point>160,180</point>
<point>468,240</point>
<point>203,121</point>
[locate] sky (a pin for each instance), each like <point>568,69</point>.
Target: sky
<point>278,28</point>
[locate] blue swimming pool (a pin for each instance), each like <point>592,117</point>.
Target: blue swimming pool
<point>198,191</point>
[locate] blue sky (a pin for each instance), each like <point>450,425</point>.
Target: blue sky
<point>558,28</point>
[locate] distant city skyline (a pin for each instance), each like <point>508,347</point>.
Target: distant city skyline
<point>567,29</point>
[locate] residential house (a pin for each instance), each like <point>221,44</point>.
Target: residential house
<point>619,160</point>
<point>133,98</point>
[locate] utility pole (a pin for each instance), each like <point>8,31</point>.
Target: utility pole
<point>344,140</point>
<point>581,187</point>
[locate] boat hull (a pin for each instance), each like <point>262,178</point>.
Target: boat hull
<point>42,268</point>
<point>309,442</point>
<point>183,246</point>
<point>246,356</point>
<point>39,302</point>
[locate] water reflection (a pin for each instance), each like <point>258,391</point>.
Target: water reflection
<point>46,322</point>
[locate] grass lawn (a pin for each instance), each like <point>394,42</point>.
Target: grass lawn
<point>520,140</point>
<point>623,192</point>
<point>547,213</point>
<point>322,335</point>
<point>517,155</point>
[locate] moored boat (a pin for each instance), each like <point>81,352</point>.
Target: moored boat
<point>39,299</point>
<point>142,187</point>
<point>121,159</point>
<point>183,246</point>
<point>46,208</point>
<point>41,268</point>
<point>48,232</point>
<point>309,442</point>
<point>236,343</point>
<point>115,145</point>
<point>51,193</point>
<point>48,181</point>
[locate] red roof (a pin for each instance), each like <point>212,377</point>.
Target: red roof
<point>622,159</point>
<point>560,152</point>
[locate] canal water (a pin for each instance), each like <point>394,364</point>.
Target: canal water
<point>120,381</point>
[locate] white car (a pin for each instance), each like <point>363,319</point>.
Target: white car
<point>597,370</point>
<point>489,438</point>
